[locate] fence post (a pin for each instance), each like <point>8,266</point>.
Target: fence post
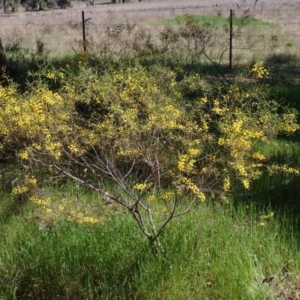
<point>230,39</point>
<point>83,31</point>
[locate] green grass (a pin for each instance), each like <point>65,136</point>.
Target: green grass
<point>214,20</point>
<point>282,151</point>
<point>217,251</point>
<point>288,94</point>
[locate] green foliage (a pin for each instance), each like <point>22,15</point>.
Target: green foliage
<point>46,4</point>
<point>63,3</point>
<point>10,5</point>
<point>226,256</point>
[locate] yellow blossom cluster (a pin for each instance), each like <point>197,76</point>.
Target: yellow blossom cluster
<point>55,210</point>
<point>140,186</point>
<point>80,219</point>
<point>28,184</point>
<point>186,184</point>
<point>226,184</point>
<point>265,218</point>
<point>50,75</point>
<point>268,216</point>
<point>186,163</point>
<point>32,121</point>
<point>165,209</point>
<point>32,181</point>
<point>19,190</point>
<point>258,156</point>
<point>284,169</point>
<point>151,198</point>
<point>259,71</point>
<point>290,124</point>
<point>242,126</point>
<point>167,195</point>
<point>42,202</point>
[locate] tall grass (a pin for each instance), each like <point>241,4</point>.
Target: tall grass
<point>217,251</point>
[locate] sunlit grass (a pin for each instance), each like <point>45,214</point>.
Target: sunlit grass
<point>217,251</point>
<point>215,20</point>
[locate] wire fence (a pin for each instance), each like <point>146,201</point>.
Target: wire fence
<point>265,33</point>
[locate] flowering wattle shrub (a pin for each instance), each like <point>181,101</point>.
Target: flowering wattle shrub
<point>135,128</point>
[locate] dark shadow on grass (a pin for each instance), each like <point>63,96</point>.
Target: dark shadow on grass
<point>11,206</point>
<point>105,3</point>
<point>279,194</point>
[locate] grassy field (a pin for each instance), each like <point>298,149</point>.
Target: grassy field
<point>234,251</point>
<point>247,248</point>
<point>61,30</point>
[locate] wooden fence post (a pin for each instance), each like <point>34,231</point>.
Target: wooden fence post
<point>83,31</point>
<point>230,39</point>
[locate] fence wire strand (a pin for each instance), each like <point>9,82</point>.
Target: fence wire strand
<point>276,31</point>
